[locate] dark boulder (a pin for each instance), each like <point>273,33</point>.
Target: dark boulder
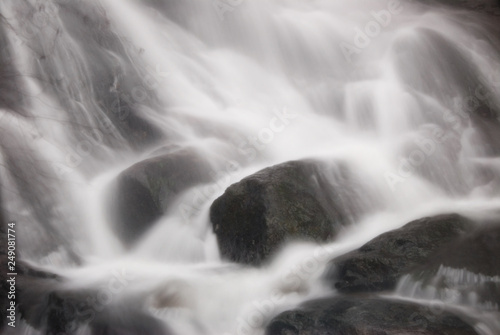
<point>298,200</point>
<point>379,264</point>
<point>145,190</point>
<point>367,316</point>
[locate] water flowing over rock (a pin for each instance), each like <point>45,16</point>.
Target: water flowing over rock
<point>465,272</point>
<point>146,190</point>
<point>226,154</point>
<point>44,305</point>
<point>31,285</point>
<point>379,264</point>
<point>286,202</point>
<point>11,97</point>
<point>114,91</point>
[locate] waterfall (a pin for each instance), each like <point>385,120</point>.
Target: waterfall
<point>404,94</point>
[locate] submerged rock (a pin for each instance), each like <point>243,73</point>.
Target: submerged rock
<point>48,308</point>
<point>115,90</point>
<point>469,97</point>
<point>297,200</point>
<point>453,286</point>
<point>367,316</point>
<point>378,264</point>
<point>11,87</point>
<point>29,283</point>
<point>146,190</point>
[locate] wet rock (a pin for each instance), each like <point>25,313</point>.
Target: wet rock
<point>467,271</point>
<point>476,252</point>
<point>48,308</point>
<point>57,311</point>
<point>29,282</point>
<point>145,190</point>
<point>298,200</point>
<point>367,316</point>
<point>379,264</point>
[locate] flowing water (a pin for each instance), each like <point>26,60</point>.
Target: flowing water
<point>404,94</point>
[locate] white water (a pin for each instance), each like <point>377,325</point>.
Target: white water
<point>218,79</point>
<point>458,286</point>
